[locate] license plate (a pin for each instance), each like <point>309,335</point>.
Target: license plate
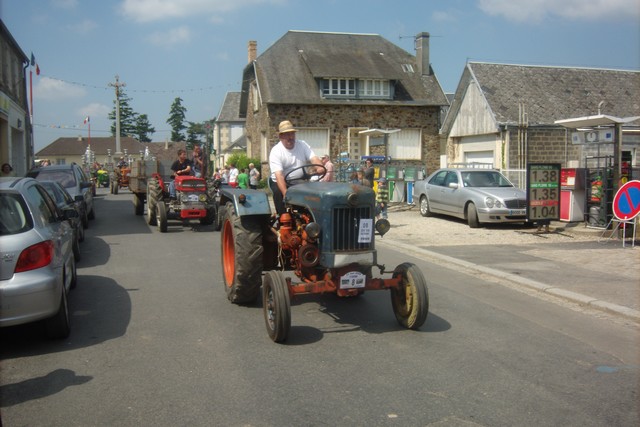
<point>193,197</point>
<point>352,280</point>
<point>517,212</point>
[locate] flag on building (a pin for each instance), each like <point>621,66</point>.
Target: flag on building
<point>35,64</point>
<point>86,120</point>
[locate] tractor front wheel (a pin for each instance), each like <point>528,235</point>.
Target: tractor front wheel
<point>276,304</point>
<point>161,217</point>
<point>410,300</point>
<point>241,254</point>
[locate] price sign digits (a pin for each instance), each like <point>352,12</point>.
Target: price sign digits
<point>543,191</point>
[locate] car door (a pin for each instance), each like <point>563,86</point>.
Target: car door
<point>435,188</point>
<point>85,187</point>
<point>451,195</point>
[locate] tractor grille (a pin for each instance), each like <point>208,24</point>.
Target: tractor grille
<point>516,203</point>
<point>346,228</point>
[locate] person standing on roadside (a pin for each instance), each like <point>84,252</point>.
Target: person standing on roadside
<point>369,172</point>
<point>382,198</point>
<point>287,155</point>
<point>329,175</point>
<point>7,170</point>
<point>243,179</point>
<point>254,177</point>
<point>233,175</point>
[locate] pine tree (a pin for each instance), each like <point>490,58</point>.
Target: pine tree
<point>195,134</point>
<point>176,120</point>
<point>144,128</point>
<point>128,117</point>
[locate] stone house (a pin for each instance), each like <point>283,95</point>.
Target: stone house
<point>506,115</point>
<point>16,146</point>
<point>332,86</point>
<point>229,129</point>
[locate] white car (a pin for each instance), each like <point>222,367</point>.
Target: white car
<point>475,195</point>
<point>38,267</point>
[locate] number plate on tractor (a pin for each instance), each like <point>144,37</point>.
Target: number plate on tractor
<point>353,279</point>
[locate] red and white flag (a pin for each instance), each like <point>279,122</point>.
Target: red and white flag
<point>86,120</point>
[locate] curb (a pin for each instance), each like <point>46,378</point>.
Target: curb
<point>521,281</point>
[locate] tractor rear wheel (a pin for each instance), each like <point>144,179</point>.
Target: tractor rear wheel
<point>410,301</point>
<point>276,305</point>
<point>219,219</point>
<point>241,254</point>
<point>153,188</point>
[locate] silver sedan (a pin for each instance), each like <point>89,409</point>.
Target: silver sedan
<point>475,195</point>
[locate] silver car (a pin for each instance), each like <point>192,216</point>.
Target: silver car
<point>475,195</point>
<point>37,267</point>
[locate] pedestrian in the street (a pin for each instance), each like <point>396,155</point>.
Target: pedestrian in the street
<point>233,175</point>
<point>369,172</point>
<point>243,179</point>
<point>254,176</point>
<point>7,170</point>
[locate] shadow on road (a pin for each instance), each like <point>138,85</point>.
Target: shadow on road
<point>39,387</point>
<point>100,310</point>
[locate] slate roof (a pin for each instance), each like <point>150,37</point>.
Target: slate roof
<point>78,146</point>
<point>286,72</point>
<point>230,110</point>
<point>549,93</point>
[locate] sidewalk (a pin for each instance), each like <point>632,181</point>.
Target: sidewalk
<point>572,262</point>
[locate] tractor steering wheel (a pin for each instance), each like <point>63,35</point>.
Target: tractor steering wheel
<point>306,173</point>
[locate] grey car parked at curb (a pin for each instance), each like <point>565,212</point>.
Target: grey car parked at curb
<point>36,247</point>
<point>475,195</point>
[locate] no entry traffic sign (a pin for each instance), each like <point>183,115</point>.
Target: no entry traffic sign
<point>626,202</point>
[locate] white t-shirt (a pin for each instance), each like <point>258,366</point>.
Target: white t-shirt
<point>281,159</point>
<point>233,175</point>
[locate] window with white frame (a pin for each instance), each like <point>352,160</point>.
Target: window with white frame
<point>318,139</point>
<point>405,145</point>
<point>339,87</point>
<point>373,88</point>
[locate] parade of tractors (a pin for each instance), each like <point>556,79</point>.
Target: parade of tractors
<point>324,243</point>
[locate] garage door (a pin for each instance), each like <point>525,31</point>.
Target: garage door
<point>485,157</point>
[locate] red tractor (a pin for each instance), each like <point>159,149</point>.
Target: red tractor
<point>195,199</point>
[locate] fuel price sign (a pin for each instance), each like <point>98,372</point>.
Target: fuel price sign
<point>543,191</point>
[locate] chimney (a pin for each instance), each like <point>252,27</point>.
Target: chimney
<point>422,53</point>
<point>253,50</point>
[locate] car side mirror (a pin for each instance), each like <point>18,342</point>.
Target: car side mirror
<point>70,213</point>
<point>86,184</point>
<point>79,198</point>
<point>453,185</point>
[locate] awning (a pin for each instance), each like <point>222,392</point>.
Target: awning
<point>593,121</point>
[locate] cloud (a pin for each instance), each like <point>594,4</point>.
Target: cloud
<point>537,10</point>
<point>53,89</point>
<point>94,110</point>
<point>172,37</point>
<point>157,10</point>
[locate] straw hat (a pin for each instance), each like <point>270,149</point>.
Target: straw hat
<point>286,126</point>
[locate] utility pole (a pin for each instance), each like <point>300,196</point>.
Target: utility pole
<point>118,85</point>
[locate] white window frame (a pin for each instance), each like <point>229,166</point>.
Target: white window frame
<point>339,87</point>
<point>317,138</point>
<point>374,88</point>
<point>405,145</point>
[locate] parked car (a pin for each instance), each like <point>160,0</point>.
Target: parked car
<point>475,195</point>
<point>36,247</point>
<point>64,201</point>
<point>74,180</point>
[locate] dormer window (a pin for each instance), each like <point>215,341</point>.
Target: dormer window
<point>339,87</point>
<point>356,88</point>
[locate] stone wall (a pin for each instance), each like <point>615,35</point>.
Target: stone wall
<point>339,118</point>
<point>545,145</point>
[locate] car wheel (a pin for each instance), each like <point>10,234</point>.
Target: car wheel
<point>472,216</point>
<point>241,253</point>
<point>92,213</point>
<point>410,300</point>
<point>276,305</point>
<point>80,229</point>
<point>58,326</point>
<point>85,219</point>
<point>424,206</point>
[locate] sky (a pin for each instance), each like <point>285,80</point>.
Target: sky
<point>197,49</point>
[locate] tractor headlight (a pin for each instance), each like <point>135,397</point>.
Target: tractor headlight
<point>203,197</point>
<point>352,199</point>
<point>313,230</point>
<point>184,198</point>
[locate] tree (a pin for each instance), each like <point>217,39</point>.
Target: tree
<point>242,161</point>
<point>144,130</point>
<point>176,120</point>
<point>128,117</point>
<point>195,134</point>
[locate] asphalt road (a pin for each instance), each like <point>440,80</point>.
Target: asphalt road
<point>155,342</point>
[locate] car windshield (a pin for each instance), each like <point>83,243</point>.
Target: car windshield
<point>14,216</point>
<point>64,177</point>
<point>54,192</point>
<point>485,179</point>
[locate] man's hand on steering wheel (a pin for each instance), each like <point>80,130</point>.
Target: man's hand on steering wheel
<point>308,171</point>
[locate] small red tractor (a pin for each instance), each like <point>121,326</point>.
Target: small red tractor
<point>119,178</point>
<point>325,237</point>
<point>195,199</point>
